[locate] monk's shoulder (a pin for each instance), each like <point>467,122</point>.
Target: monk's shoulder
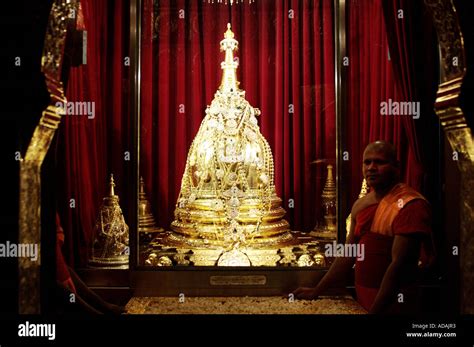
<point>362,203</point>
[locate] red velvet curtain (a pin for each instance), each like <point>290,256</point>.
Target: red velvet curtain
<point>89,149</point>
<point>286,55</point>
<point>371,80</point>
<point>411,38</point>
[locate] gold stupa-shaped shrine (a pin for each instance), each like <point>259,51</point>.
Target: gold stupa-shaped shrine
<point>227,196</point>
<point>227,212</point>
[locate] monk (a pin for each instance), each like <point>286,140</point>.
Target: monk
<point>393,222</point>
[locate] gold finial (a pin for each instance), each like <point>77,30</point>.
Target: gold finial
<point>111,185</point>
<point>229,34</point>
<point>229,81</point>
<point>142,187</point>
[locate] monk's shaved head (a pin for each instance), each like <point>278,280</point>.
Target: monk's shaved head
<point>380,165</point>
<point>389,150</point>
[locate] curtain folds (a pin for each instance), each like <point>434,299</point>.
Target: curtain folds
<point>410,43</point>
<point>388,62</point>
<point>91,148</point>
<point>370,81</point>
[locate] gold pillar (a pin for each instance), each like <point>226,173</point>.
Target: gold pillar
<point>458,134</point>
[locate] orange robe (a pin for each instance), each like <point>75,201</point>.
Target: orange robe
<point>403,211</point>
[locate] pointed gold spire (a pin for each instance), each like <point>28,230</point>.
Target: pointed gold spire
<point>146,220</point>
<point>111,185</point>
<point>229,81</point>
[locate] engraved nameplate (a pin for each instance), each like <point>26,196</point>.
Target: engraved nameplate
<point>238,280</point>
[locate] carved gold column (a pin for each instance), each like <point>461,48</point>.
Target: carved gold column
<point>30,165</point>
<point>458,134</point>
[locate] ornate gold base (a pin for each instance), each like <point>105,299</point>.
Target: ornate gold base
<point>109,263</point>
<point>302,251</point>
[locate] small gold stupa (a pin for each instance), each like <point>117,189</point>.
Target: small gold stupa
<point>147,227</point>
<point>227,199</point>
<point>110,247</point>
<point>328,229</point>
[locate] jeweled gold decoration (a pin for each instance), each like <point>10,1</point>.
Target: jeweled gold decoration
<point>305,260</point>
<point>234,257</point>
<point>110,247</point>
<point>231,2</point>
<point>319,259</point>
<point>29,223</point>
<point>164,261</point>
<point>227,200</point>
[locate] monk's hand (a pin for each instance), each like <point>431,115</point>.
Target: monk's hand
<point>305,293</point>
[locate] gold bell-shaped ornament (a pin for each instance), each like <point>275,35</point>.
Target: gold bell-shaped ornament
<point>110,248</point>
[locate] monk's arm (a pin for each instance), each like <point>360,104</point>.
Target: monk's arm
<point>403,250</point>
<point>337,273</point>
